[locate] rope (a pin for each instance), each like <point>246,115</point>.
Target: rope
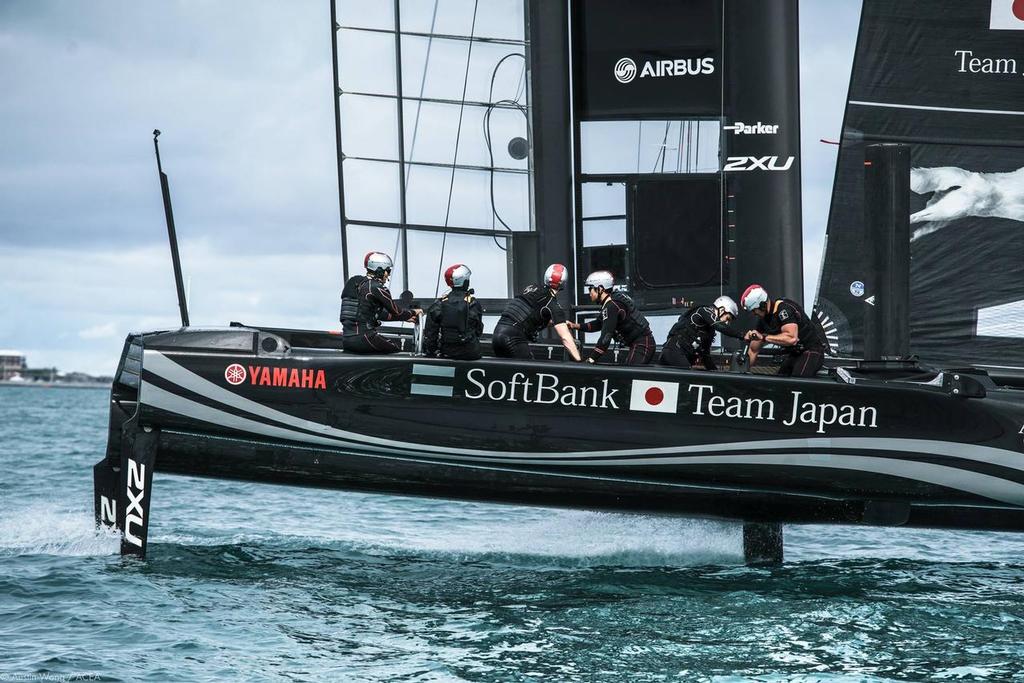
<point>455,157</point>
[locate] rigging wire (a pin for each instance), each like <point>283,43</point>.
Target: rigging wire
<point>419,107</point>
<point>455,156</point>
<point>514,103</point>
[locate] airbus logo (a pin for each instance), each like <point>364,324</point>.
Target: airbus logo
<point>758,163</point>
<point>626,70</point>
<point>740,128</point>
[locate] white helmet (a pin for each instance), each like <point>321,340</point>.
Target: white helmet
<point>554,276</point>
<point>754,297</point>
<point>727,304</point>
<point>458,275</point>
<point>600,278</point>
<point>378,263</point>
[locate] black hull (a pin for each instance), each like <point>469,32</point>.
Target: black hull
<point>927,450</point>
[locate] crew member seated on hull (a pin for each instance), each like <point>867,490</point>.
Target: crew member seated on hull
<point>365,302</point>
<point>530,311</point>
<point>455,322</point>
<point>785,323</point>
<point>689,340</point>
<point>620,320</point>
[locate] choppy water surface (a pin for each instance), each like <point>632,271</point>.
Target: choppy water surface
<point>255,582</point>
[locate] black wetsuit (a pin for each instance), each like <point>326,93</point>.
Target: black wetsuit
<point>806,357</point>
<point>453,326</point>
<point>366,301</point>
<point>622,321</point>
<point>530,311</point>
<point>689,340</point>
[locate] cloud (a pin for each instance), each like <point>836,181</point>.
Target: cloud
<point>242,93</point>
<point>104,331</point>
<point>248,129</point>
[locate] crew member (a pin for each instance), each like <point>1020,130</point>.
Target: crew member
<point>455,322</point>
<point>530,311</point>
<point>620,320</point>
<point>785,323</point>
<point>689,340</point>
<point>365,302</point>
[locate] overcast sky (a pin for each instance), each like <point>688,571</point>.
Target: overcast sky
<point>242,91</point>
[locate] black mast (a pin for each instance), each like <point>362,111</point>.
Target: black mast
<point>171,235</point>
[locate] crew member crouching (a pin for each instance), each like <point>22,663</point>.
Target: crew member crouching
<point>785,323</point>
<point>530,311</point>
<point>689,341</point>
<point>455,322</point>
<point>365,302</point>
<point>620,320</point>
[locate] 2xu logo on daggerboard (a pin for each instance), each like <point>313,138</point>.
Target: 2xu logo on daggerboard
<point>267,376</point>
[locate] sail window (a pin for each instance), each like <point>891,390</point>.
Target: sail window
<point>683,146</point>
<point>363,239</point>
<point>372,191</point>
<point>435,142</point>
<point>366,62</point>
<point>369,127</point>
<point>488,266</point>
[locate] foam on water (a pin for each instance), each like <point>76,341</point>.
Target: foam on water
<point>53,529</point>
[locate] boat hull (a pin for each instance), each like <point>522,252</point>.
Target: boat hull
<point>940,452</point>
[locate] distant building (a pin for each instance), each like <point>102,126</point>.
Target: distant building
<point>11,363</point>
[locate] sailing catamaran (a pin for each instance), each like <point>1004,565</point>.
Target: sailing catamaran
<point>660,141</point>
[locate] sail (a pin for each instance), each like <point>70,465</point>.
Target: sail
<point>945,77</point>
<point>433,143</point>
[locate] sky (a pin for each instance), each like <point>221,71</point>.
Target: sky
<point>242,93</point>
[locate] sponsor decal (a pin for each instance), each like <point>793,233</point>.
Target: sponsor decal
<point>136,490</point>
<point>538,387</point>
<point>970,64</point>
<point>432,380</point>
<point>740,128</point>
<point>758,163</point>
<point>108,510</point>
<point>796,410</point>
<point>268,376</point>
<point>234,374</point>
<point>857,288</point>
<point>957,193</point>
<point>625,70</point>
<point>654,397</point>
<point>1007,15</point>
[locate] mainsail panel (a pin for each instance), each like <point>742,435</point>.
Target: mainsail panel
<point>939,77</point>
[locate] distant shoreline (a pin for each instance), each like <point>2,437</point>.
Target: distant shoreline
<point>56,385</point>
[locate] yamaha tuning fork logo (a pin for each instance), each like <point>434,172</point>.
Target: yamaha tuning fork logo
<point>625,70</point>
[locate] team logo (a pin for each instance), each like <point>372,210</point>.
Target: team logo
<point>625,70</point>
<point>1007,15</point>
<point>234,374</point>
<point>857,288</point>
<point>654,397</point>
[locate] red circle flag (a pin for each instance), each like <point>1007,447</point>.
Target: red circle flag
<point>654,396</point>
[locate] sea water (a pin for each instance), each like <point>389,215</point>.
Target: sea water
<point>256,582</point>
